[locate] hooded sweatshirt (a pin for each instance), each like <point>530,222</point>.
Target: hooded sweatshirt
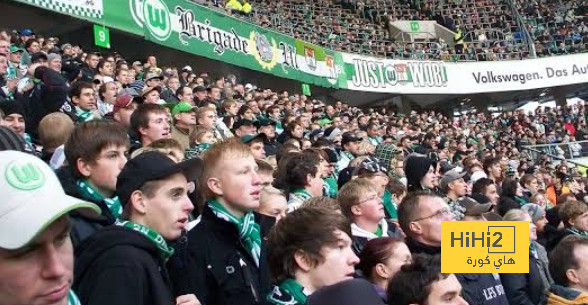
<point>360,236</point>
<point>118,266</point>
<point>83,226</point>
<point>49,95</point>
<point>416,167</point>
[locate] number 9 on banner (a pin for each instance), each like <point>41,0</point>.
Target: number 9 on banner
<point>101,36</point>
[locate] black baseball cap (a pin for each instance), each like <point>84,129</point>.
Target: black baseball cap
<point>242,122</point>
<point>35,57</point>
<point>149,166</point>
<point>331,154</point>
<point>349,137</point>
<point>199,88</point>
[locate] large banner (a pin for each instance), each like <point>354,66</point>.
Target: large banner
<point>192,28</point>
<point>437,77</point>
<point>112,13</point>
<point>195,29</point>
<point>79,8</point>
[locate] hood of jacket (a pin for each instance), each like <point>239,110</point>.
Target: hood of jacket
<point>415,168</point>
<point>68,182</point>
<point>561,295</point>
<point>359,232</point>
<point>107,238</point>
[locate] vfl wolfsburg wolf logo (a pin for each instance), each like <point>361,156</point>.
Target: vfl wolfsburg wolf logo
<point>154,15</point>
<point>25,176</point>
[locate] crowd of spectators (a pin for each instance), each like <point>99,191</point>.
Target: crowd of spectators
<point>177,186</point>
<point>492,29</point>
<point>557,28</point>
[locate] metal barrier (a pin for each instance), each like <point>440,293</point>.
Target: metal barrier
<point>570,150</point>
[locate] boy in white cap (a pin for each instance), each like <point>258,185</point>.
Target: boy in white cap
<point>36,254</point>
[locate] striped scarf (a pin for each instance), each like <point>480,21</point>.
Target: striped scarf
<point>83,115</point>
<point>289,292</point>
<point>152,235</point>
<point>577,232</point>
<point>113,204</point>
<point>249,231</point>
<point>72,299</point>
<point>302,194</point>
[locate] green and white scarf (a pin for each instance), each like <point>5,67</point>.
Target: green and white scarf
<point>195,151</point>
<point>289,292</point>
<point>154,236</point>
<point>28,139</point>
<point>72,298</point>
<point>533,250</point>
<point>113,204</point>
<point>577,232</point>
<point>302,194</point>
<point>249,231</point>
<point>347,155</point>
<point>83,115</point>
<point>330,186</point>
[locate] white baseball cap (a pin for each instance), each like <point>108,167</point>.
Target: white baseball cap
<point>478,175</point>
<point>32,199</point>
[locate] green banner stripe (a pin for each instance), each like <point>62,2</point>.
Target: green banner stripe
<point>199,30</point>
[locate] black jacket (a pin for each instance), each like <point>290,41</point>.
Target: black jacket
<point>118,266</point>
<point>87,73</point>
<point>554,237</point>
<point>506,204</point>
<point>83,226</point>
<point>271,147</point>
<point>221,269</point>
<point>50,95</point>
<point>526,288</point>
<point>482,288</point>
<point>417,247</point>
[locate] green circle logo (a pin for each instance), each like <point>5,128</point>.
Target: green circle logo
<point>156,18</point>
<point>26,177</point>
<point>136,8</point>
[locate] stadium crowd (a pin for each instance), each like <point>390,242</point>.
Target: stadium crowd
<point>486,30</point>
<point>170,185</point>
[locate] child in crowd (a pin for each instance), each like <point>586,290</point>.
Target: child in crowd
<point>201,138</point>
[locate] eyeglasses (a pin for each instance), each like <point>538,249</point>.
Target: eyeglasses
<point>440,213</point>
<point>370,199</point>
